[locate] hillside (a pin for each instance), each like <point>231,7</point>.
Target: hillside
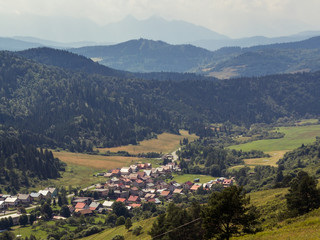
<point>149,56</point>
<point>54,107</point>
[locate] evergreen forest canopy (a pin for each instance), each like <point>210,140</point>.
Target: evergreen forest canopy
<point>23,164</point>
<point>57,107</point>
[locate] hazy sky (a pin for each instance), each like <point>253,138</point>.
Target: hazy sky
<point>234,18</point>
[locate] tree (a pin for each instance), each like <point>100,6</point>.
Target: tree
<point>65,211</point>
<point>227,213</point>
<point>120,209</point>
<point>128,223</point>
<point>32,218</point>
<point>303,194</point>
<point>46,211</point>
<point>120,221</point>
<point>23,220</point>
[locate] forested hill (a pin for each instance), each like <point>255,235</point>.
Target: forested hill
<point>77,110</point>
<point>21,165</point>
<point>75,62</point>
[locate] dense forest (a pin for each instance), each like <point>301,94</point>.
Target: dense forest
<point>77,110</point>
<point>21,165</point>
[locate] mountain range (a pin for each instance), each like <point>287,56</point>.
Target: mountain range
<point>67,32</point>
<point>144,55</point>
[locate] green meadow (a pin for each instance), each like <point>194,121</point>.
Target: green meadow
<point>294,137</point>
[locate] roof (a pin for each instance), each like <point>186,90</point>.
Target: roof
<point>107,203</point>
<point>133,198</point>
<point>115,171</point>
<point>80,205</point>
<point>84,211</point>
<point>1,202</point>
<point>165,193</point>
<point>134,189</point>
<point>134,205</point>
<point>35,194</point>
<point>121,200</point>
<point>23,196</point>
<point>11,199</point>
<point>195,187</point>
<point>44,192</point>
<point>177,190</point>
<point>94,205</point>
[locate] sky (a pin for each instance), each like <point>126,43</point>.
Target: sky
<point>234,18</point>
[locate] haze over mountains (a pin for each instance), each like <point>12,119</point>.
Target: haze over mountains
<point>66,32</point>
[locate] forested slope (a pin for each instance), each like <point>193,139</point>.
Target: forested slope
<point>78,110</point>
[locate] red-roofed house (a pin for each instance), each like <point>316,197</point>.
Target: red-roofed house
<point>81,205</point>
<point>135,205</point>
<point>195,187</point>
<point>134,199</point>
<point>165,193</point>
<point>123,200</point>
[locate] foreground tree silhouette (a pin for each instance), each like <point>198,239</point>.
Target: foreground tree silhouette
<point>303,194</point>
<point>228,213</point>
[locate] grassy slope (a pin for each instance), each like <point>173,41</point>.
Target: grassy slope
<point>164,143</point>
<point>190,177</point>
<point>294,137</point>
<point>110,233</point>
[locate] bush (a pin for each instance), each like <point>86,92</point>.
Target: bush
<point>137,231</point>
<point>118,237</point>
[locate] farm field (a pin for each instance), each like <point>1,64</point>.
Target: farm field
<point>164,143</point>
<point>294,137</point>
<point>97,162</point>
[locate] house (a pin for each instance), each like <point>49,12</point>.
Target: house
<point>149,196</point>
<point>165,194</point>
<point>81,205</point>
<point>138,183</point>
<point>148,172</point>
<point>15,218</point>
<point>125,171</point>
<point>115,172</point>
<point>195,187</point>
<point>187,185</point>
<point>123,200</point>
<point>107,204</point>
<point>133,176</point>
<point>85,212</point>
<point>25,199</point>
<point>94,206</point>
<point>227,182</point>
<point>12,201</point>
<point>178,191</point>
<point>86,200</point>
<point>134,199</point>
<point>135,205</point>
<point>134,191</point>
<point>108,174</point>
<point>134,168</point>
<point>3,205</point>
<point>102,192</point>
<point>36,196</point>
<point>45,193</point>
<point>53,191</point>
<point>141,174</point>
<point>141,166</point>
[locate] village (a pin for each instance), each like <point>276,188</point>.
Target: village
<point>134,185</point>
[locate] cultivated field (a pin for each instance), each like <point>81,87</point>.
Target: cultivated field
<point>97,162</point>
<point>294,137</point>
<point>164,143</point>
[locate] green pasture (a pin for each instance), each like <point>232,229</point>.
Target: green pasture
<point>190,177</point>
<point>294,137</point>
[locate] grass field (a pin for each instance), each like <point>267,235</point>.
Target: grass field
<point>294,137</point>
<point>164,143</point>
<point>110,233</point>
<point>272,161</point>
<point>98,162</point>
<point>190,177</point>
